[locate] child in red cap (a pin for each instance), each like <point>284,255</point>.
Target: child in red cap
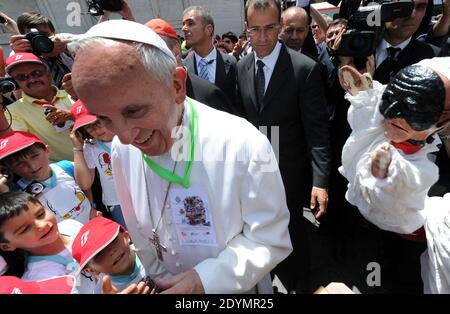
<point>92,150</point>
<point>27,156</point>
<point>29,229</point>
<point>102,247</point>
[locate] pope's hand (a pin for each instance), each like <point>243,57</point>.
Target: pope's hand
<point>187,282</point>
<point>108,288</point>
<point>381,159</point>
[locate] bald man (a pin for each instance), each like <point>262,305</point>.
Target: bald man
<point>294,27</point>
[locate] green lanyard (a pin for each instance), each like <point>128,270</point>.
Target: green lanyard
<point>170,176</point>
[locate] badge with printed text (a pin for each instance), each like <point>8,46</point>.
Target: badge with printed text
<point>192,216</point>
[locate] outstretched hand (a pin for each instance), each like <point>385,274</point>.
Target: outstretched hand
<point>353,81</point>
<point>381,159</point>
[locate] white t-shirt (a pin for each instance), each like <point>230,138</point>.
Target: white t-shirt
<point>46,267</point>
<point>122,282</point>
<point>63,196</point>
<point>99,157</point>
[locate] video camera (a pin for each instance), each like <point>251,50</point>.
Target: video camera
<point>96,7</point>
<point>40,42</point>
<point>366,23</point>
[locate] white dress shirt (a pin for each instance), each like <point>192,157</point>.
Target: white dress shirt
<point>211,59</point>
<point>269,63</point>
<point>381,53</point>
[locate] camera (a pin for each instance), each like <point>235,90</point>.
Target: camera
<point>7,85</point>
<point>96,7</point>
<point>40,43</point>
<point>366,24</point>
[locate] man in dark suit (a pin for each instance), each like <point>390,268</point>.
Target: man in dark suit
<point>196,88</point>
<point>281,88</point>
<point>398,48</point>
<point>206,61</point>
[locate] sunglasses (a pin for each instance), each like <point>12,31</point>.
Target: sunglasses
<point>22,77</point>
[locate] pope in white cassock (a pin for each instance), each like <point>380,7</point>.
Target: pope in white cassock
<point>204,201</point>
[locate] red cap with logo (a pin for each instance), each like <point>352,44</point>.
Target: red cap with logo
<point>92,238</point>
<point>11,143</point>
<point>22,57</point>
<point>81,115</point>
<point>57,285</point>
<point>161,27</point>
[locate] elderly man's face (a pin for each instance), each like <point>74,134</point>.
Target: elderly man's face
<point>294,30</point>
<point>130,102</point>
<point>34,79</point>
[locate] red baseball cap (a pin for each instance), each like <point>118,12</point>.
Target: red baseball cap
<point>57,285</point>
<point>92,238</point>
<point>15,141</point>
<point>22,57</point>
<point>161,27</point>
<point>81,115</point>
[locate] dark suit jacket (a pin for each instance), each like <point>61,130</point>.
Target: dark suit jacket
<point>414,52</point>
<point>294,101</point>
<point>207,93</point>
<point>225,73</point>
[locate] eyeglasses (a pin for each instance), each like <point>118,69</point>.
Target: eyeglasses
<point>22,77</point>
<point>93,126</point>
<point>258,30</point>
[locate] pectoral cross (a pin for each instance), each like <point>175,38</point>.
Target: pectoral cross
<point>158,246</point>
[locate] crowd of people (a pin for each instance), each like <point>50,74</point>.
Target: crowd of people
<point>135,159</point>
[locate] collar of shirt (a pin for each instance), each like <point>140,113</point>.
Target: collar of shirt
<point>31,100</point>
<point>270,60</point>
<point>211,57</point>
<point>381,53</point>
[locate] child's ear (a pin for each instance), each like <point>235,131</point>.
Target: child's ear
<point>7,247</point>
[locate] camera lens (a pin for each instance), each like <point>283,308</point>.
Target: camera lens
<point>6,86</point>
<point>42,44</point>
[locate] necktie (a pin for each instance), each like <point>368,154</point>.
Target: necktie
<point>260,83</point>
<point>203,69</point>
<point>392,53</point>
<point>387,68</point>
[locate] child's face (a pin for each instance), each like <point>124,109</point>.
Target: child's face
<point>31,229</point>
<point>116,259</point>
<point>97,131</point>
<point>34,166</point>
<point>398,130</point>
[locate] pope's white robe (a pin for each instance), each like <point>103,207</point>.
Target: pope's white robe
<point>238,169</point>
<point>435,261</point>
<point>396,202</point>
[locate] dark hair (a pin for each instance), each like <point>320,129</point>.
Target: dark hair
<point>11,205</point>
<point>24,153</point>
<point>32,20</point>
<point>337,22</point>
<point>204,13</point>
<point>262,4</point>
<point>232,36</point>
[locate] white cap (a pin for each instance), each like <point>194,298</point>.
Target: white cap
<point>438,64</point>
<point>127,30</point>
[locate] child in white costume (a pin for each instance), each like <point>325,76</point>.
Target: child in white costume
<point>385,158</point>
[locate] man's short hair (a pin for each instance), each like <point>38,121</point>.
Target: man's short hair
<point>262,4</point>
<point>204,13</point>
<point>337,22</point>
<point>32,20</point>
<point>11,205</point>
<point>21,154</point>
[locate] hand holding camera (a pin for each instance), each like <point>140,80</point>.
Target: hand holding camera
<point>57,116</point>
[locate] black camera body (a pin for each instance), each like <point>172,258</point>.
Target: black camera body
<point>366,24</point>
<point>40,43</point>
<point>7,85</point>
<point>96,7</point>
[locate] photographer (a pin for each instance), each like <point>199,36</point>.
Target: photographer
<point>58,60</point>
